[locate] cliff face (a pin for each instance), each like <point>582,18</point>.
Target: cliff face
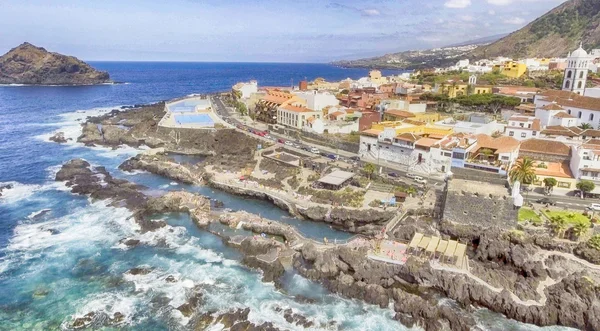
<point>28,64</point>
<point>553,34</point>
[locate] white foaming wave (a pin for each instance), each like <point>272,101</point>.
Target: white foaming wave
<point>37,213</point>
<point>95,223</point>
<point>18,192</point>
<point>135,172</point>
<point>108,303</point>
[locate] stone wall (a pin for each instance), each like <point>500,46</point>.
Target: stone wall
<point>316,139</point>
<point>479,210</point>
<point>544,157</point>
<point>479,176</point>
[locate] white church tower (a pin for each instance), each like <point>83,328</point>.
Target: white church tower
<point>576,72</point>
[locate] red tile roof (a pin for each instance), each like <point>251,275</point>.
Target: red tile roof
<point>399,113</point>
<point>570,99</point>
<point>410,137</point>
<point>552,106</point>
<point>562,114</point>
<point>296,109</point>
<point>545,147</point>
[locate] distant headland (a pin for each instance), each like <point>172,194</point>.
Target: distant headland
<point>31,65</point>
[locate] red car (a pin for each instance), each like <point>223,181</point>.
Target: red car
<point>281,141</point>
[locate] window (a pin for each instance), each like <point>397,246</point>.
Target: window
<point>511,133</point>
<point>448,154</point>
<point>534,133</point>
<point>581,75</point>
<point>579,85</point>
<point>569,74</point>
<point>521,124</point>
<point>591,117</point>
<point>523,134</point>
<point>567,84</point>
<point>564,184</point>
<point>457,155</point>
<point>504,158</point>
<point>579,114</point>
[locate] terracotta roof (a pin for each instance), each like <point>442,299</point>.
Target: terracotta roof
<point>310,119</point>
<point>562,114</point>
<point>502,144</point>
<point>296,109</point>
<point>410,137</point>
<point>519,118</point>
<point>399,113</point>
<point>557,130</point>
<point>413,122</point>
<point>590,133</point>
<point>536,125</point>
<point>552,106</point>
<point>554,169</point>
<point>371,132</point>
<point>426,142</point>
<point>570,99</point>
<point>336,113</point>
<point>545,147</point>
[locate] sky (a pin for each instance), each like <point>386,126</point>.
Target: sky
<point>255,30</point>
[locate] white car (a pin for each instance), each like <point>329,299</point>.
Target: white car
<point>420,180</point>
<point>289,143</point>
<point>595,206</point>
<point>315,151</point>
<point>413,176</point>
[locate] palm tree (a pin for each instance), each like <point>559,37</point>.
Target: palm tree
<point>559,225</point>
<point>523,171</point>
<point>369,169</point>
<point>580,229</point>
<point>585,126</point>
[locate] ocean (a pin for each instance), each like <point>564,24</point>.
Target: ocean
<point>61,256</point>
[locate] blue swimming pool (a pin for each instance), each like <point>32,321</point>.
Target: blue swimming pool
<point>188,106</point>
<point>199,119</point>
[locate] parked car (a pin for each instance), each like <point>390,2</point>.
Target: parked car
<point>281,141</point>
<point>355,158</point>
<point>546,201</point>
<point>315,151</point>
<point>288,143</point>
<point>413,176</point>
<point>268,136</point>
<point>594,206</point>
<point>393,174</point>
<point>332,156</point>
<point>420,180</point>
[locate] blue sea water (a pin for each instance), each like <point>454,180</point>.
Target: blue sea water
<point>60,254</point>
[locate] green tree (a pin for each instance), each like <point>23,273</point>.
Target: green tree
<point>580,229</point>
<point>559,225</point>
<point>585,186</point>
<point>594,242</point>
<point>523,171</point>
<point>585,126</point>
<point>550,183</point>
<point>369,169</point>
<point>237,94</point>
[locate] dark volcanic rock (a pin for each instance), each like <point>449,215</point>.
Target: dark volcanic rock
<point>368,222</point>
<point>58,137</point>
<point>28,64</point>
<point>139,271</point>
<point>5,187</point>
<point>99,184</point>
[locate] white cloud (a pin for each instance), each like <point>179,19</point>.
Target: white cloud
<point>467,18</point>
<point>500,2</point>
<point>457,3</point>
<point>515,21</point>
<point>371,12</point>
<point>492,12</point>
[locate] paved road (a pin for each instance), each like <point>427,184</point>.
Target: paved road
<point>569,202</point>
<point>386,167</point>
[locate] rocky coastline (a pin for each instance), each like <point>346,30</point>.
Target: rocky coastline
<point>524,275</point>
<point>31,65</point>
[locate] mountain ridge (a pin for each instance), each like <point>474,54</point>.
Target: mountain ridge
<point>31,65</point>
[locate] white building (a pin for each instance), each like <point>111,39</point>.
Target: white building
<point>576,72</point>
<point>318,100</point>
<point>295,116</point>
<point>523,127</point>
<point>246,89</point>
<point>593,92</point>
<point>581,108</point>
<point>470,127</point>
<point>585,161</point>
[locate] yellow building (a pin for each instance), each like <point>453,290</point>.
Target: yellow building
<point>481,89</point>
<point>512,69</point>
<point>453,89</point>
<point>411,126</point>
<point>398,115</point>
<point>295,116</point>
<point>376,77</point>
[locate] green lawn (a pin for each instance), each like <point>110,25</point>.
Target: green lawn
<point>526,214</point>
<point>572,217</point>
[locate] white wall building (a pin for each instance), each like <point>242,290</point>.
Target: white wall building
<point>246,89</point>
<point>582,109</point>
<point>318,100</point>
<point>471,127</point>
<point>523,127</point>
<point>585,161</point>
<point>576,72</point>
